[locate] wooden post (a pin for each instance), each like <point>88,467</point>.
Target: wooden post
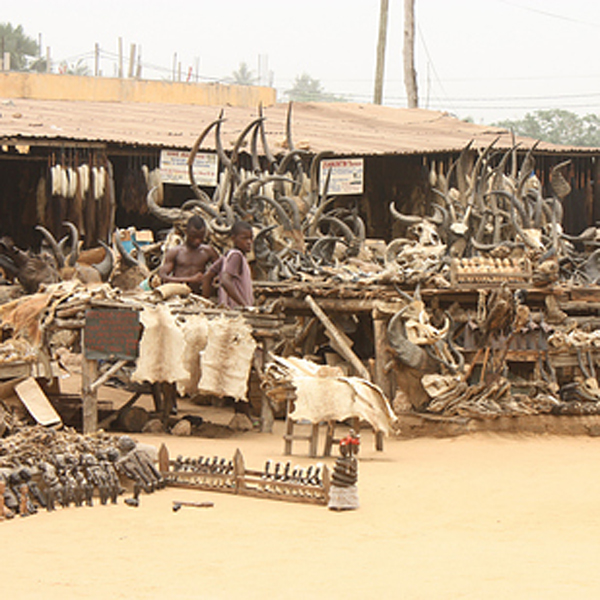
<point>267,418</point>
<point>163,459</point>
<point>89,395</point>
<point>239,470</point>
<point>380,342</point>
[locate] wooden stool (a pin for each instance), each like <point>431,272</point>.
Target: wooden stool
<point>312,438</point>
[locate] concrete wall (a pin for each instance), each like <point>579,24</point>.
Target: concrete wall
<point>45,86</point>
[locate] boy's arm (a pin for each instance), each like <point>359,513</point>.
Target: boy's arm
<point>209,276</point>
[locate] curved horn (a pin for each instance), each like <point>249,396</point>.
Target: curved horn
<point>408,219</point>
<point>203,206</point>
<point>74,255</point>
<point>406,352</point>
<point>128,260</point>
<point>105,266</point>
<point>168,215</point>
<point>288,128</point>
<point>241,137</point>
<point>141,257</point>
<point>192,156</point>
<point>263,137</point>
<point>58,255</point>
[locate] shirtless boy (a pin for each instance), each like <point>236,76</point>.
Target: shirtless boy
<point>187,263</point>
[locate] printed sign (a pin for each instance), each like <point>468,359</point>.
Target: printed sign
<point>174,167</point>
<point>111,333</point>
<point>346,175</point>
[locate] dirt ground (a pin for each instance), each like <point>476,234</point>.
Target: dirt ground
<point>475,516</point>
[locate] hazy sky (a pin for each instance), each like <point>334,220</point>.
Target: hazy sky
<point>484,59</point>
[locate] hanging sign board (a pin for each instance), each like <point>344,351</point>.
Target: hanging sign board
<point>111,333</point>
<point>174,167</point>
<point>346,175</point>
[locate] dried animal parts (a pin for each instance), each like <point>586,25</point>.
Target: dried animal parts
<point>299,228</point>
<point>46,468</point>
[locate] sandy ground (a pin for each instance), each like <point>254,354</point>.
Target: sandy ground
<point>478,516</point>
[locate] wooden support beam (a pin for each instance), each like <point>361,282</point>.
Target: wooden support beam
<point>338,338</point>
<point>107,375</point>
<point>89,396</point>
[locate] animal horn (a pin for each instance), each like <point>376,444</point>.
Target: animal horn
<point>74,255</point>
<point>168,215</point>
<point>192,156</point>
<point>58,255</point>
<point>263,137</point>
<point>105,266</point>
<point>408,219</point>
<point>407,353</point>
<point>125,256</point>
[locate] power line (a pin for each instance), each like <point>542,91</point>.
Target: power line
<point>551,14</point>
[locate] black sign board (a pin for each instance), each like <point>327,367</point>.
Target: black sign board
<point>111,333</point>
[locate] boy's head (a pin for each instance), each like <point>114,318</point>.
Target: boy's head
<point>241,236</point>
<point>195,231</point>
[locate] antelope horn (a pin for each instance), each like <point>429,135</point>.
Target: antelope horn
<point>74,255</point>
<point>58,255</point>
<point>263,137</point>
<point>408,219</point>
<point>105,266</point>
<point>192,156</point>
<point>125,256</point>
<point>288,128</point>
<point>225,160</point>
<point>141,257</point>
<point>407,353</point>
<point>167,215</point>
<point>241,137</point>
<point>205,207</point>
<point>254,151</point>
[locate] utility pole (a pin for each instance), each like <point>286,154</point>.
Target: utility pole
<point>383,20</point>
<point>96,59</point>
<point>410,74</point>
<point>131,61</point>
<point>120,58</point>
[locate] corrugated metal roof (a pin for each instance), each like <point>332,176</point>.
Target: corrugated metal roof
<point>345,129</point>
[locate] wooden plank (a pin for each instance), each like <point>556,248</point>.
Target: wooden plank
<point>37,403</point>
<point>344,348</point>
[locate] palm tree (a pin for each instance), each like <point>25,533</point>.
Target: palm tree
<point>244,75</point>
<point>21,47</point>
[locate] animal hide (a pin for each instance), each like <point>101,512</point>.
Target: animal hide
<point>323,396</point>
<point>161,348</point>
<point>23,315</point>
<point>195,334</point>
<point>227,359</point>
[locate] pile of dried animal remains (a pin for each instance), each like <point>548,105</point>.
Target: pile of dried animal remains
<point>47,468</point>
<point>488,225</point>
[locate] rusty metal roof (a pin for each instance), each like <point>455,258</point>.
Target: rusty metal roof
<point>344,129</point>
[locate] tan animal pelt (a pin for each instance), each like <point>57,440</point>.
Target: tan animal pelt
<point>325,396</point>
<point>195,334</point>
<point>161,349</point>
<point>227,359</point>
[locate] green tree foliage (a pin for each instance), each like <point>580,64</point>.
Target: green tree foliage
<point>307,89</point>
<point>78,68</point>
<point>244,75</point>
<point>23,50</point>
<point>558,126</point>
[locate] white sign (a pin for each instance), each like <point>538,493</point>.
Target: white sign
<point>174,167</point>
<point>346,175</point>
